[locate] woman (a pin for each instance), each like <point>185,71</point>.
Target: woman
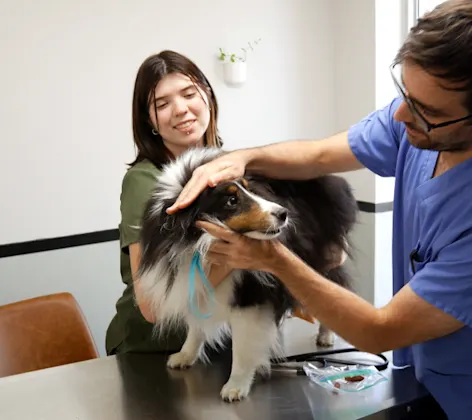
<point>174,108</point>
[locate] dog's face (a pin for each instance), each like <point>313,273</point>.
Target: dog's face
<point>246,207</point>
<point>243,208</point>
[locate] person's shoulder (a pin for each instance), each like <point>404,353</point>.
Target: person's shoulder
<point>397,128</point>
<point>143,172</point>
<point>377,139</point>
<point>138,183</point>
<point>143,167</point>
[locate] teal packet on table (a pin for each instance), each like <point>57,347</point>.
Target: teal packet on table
<point>353,378</point>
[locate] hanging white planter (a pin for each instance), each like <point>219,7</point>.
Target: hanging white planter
<point>234,73</point>
<point>234,65</point>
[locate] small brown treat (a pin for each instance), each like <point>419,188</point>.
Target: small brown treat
<point>337,385</point>
<point>356,378</point>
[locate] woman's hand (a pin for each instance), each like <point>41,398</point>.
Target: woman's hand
<point>228,167</point>
<point>235,251</point>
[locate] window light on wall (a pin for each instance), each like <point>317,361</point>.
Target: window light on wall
<point>424,6</point>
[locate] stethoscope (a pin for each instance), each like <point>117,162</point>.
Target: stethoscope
<point>320,357</point>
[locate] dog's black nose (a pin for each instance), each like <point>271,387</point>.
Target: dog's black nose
<point>281,214</point>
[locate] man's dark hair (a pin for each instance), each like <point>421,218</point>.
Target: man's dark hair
<point>441,44</point>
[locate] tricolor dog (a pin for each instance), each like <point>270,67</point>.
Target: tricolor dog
<point>312,218</point>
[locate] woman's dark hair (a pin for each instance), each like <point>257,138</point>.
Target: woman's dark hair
<point>441,44</point>
<point>149,145</point>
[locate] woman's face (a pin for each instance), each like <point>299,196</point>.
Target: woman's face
<point>182,112</point>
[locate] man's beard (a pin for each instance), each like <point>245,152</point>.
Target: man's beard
<point>454,142</point>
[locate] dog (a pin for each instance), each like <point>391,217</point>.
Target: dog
<point>312,218</point>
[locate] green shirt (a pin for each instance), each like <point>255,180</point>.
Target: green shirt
<point>128,330</point>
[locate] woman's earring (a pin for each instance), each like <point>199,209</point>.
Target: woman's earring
<point>155,132</point>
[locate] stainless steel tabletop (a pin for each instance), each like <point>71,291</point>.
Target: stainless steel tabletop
<point>140,387</point>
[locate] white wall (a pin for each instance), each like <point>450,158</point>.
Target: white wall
<point>427,5</point>
<point>354,90</point>
<point>368,34</point>
<point>67,75</point>
<point>354,34</point>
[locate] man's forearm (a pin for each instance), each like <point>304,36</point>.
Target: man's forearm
<point>303,159</point>
<point>351,317</point>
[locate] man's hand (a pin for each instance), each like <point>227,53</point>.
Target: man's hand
<point>235,251</point>
<point>228,167</point>
<point>218,273</point>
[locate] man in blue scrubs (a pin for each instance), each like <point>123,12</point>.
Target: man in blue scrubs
<point>423,138</point>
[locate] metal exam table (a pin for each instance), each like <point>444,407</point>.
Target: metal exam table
<point>140,387</point>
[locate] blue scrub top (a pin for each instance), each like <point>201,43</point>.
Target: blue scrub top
<point>433,218</point>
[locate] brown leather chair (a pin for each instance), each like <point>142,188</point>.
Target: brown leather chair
<point>43,332</point>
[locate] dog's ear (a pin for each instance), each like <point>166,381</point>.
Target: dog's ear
<point>160,231</point>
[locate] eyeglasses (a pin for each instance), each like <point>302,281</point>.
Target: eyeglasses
<point>425,124</point>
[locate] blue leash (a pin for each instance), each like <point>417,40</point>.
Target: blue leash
<point>197,265</point>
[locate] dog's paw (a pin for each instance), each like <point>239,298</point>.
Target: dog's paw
<point>235,389</point>
<point>325,339</point>
<point>180,360</point>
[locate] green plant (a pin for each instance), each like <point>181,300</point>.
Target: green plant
<point>235,57</point>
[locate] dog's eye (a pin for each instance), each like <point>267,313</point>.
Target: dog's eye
<point>232,201</point>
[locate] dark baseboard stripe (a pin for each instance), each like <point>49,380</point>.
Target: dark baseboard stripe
<point>41,245</point>
<point>367,207</point>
